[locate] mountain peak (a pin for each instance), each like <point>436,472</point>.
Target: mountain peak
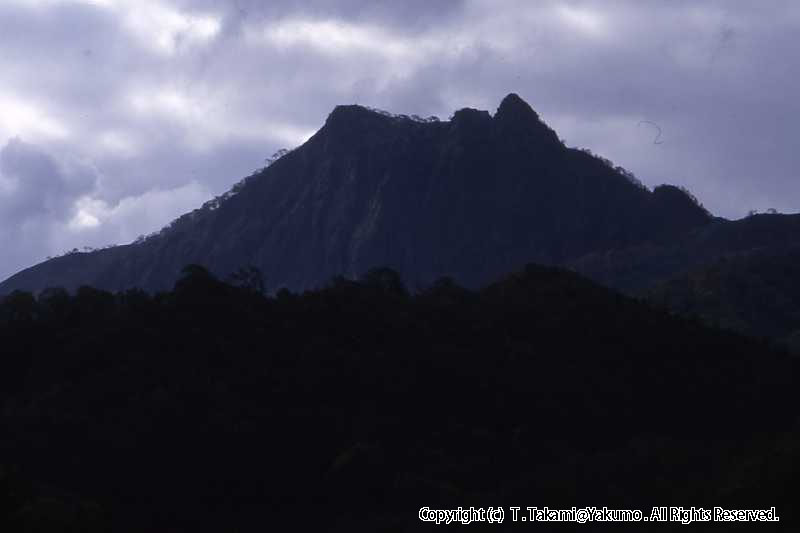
<point>514,106</point>
<point>470,115</point>
<point>516,117</point>
<point>348,123</point>
<point>349,112</point>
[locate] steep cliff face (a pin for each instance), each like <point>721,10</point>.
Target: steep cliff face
<point>473,198</point>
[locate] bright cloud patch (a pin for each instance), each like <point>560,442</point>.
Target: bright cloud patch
<point>100,222</point>
<point>82,220</point>
<point>118,143</point>
<point>164,28</point>
<point>160,26</point>
<point>587,21</point>
<point>21,118</point>
<point>337,37</point>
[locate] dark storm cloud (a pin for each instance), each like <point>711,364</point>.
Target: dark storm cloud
<point>35,185</point>
<point>160,104</point>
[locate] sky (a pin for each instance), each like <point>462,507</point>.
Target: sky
<point>117,116</point>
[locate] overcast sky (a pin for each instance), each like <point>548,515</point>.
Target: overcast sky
<point>116,116</point>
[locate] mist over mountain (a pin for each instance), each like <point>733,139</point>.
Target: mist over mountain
<point>473,198</point>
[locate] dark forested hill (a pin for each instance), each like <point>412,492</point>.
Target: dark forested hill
<point>216,408</point>
<point>756,292</point>
<point>473,198</point>
<point>639,267</point>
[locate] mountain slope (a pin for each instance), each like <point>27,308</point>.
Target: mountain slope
<point>754,292</point>
<point>472,198</point>
<point>637,268</point>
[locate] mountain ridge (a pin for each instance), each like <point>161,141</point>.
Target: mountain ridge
<point>473,198</point>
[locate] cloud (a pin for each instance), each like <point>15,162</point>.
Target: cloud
<point>163,28</point>
<point>48,206</point>
<point>19,117</point>
<point>33,184</point>
<point>36,200</point>
<point>132,111</point>
<point>100,222</point>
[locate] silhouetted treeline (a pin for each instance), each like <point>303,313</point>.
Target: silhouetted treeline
<point>216,407</point>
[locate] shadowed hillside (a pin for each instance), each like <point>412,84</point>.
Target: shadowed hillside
<point>756,292</point>
<point>636,268</point>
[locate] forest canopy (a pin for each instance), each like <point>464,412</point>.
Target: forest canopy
<point>217,405</point>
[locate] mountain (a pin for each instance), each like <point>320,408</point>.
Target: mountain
<point>216,408</point>
<point>472,198</point>
<point>755,292</point>
<point>215,405</point>
<point>635,269</point>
